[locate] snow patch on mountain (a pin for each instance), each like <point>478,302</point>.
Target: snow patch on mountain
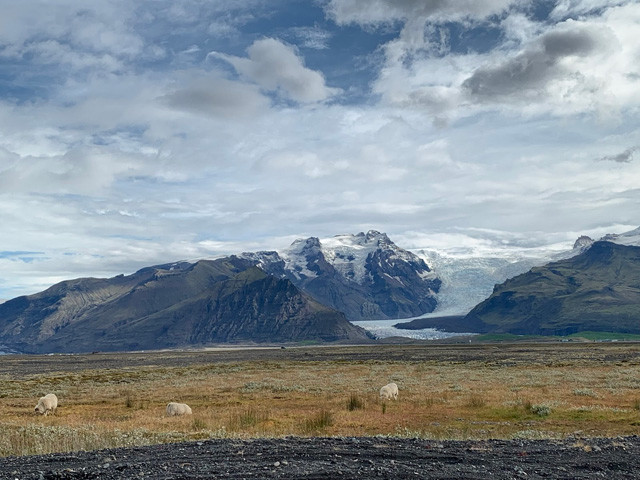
<point>348,255</point>
<point>296,257</point>
<point>631,238</point>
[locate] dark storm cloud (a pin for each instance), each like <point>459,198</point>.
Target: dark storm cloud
<point>526,71</point>
<point>564,44</point>
<point>531,70</point>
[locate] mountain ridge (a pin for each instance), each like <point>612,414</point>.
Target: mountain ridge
<point>169,306</point>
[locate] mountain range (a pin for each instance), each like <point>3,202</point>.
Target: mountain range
<point>309,293</point>
<point>314,289</point>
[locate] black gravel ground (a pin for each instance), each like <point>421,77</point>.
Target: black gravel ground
<point>344,458</point>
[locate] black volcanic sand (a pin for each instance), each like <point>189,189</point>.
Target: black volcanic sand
<point>350,458</point>
<point>346,458</point>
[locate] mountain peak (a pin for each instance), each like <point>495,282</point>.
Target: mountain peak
<point>382,279</point>
<point>305,244</point>
<point>582,243</point>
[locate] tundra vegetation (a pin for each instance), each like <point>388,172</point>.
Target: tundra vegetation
<point>448,392</point>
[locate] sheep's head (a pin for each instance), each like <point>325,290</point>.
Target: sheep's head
<point>39,409</point>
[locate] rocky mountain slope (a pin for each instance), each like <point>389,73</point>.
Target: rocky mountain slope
<point>173,305</point>
<point>597,290</point>
<point>366,276</point>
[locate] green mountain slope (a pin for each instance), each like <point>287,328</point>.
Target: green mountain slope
<point>598,290</point>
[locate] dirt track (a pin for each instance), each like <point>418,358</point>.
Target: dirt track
<point>347,458</point>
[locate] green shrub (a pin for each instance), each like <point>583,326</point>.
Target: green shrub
<point>355,403</point>
<point>540,410</point>
<point>199,424</point>
<point>323,419</point>
<point>248,418</point>
<point>477,401</point>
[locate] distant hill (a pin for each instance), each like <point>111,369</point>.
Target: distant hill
<point>167,306</point>
<point>597,290</point>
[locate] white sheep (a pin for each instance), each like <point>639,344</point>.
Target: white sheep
<point>175,409</point>
<point>47,404</point>
<point>389,391</point>
<point>394,390</point>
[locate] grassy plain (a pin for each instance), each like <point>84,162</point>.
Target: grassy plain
<point>550,390</point>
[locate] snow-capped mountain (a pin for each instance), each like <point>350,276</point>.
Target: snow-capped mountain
<point>582,243</point>
<point>366,276</point>
<point>353,256</point>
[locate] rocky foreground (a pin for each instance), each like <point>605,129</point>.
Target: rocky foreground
<point>345,458</point>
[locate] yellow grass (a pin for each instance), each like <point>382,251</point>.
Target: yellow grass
<point>439,400</point>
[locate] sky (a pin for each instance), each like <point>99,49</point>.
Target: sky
<point>141,133</point>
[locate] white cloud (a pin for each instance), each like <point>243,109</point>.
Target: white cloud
<point>572,67</point>
<point>307,163</point>
<point>312,37</point>
<point>277,67</point>
<point>571,8</point>
<point>383,11</point>
<point>124,147</point>
<point>70,28</point>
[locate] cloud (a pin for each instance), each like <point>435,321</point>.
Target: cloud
<point>217,97</point>
<point>307,163</point>
<point>80,171</point>
<point>142,151</point>
<point>90,29</point>
<point>572,8</point>
<point>369,12</point>
<point>622,157</point>
<point>532,70</point>
<point>312,37</point>
<point>538,68</point>
<point>277,67</point>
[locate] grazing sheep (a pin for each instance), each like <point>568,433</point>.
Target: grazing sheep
<point>175,409</point>
<point>47,404</point>
<point>394,390</point>
<point>389,391</point>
